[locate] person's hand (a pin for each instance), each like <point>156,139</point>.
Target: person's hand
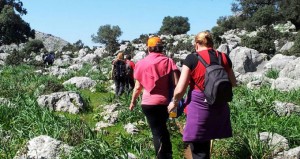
<point>132,105</point>
<point>172,106</point>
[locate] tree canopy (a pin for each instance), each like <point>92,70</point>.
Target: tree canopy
<point>290,9</point>
<point>16,4</point>
<point>13,29</point>
<point>175,25</point>
<point>108,36</point>
<point>255,13</point>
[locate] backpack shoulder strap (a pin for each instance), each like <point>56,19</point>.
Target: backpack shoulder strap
<point>201,60</point>
<point>219,57</point>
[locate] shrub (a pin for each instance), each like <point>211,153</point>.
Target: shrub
<point>217,31</point>
<point>16,57</point>
<point>273,73</point>
<point>263,41</point>
<point>182,46</point>
<point>74,47</point>
<point>33,46</point>
<point>142,39</point>
<point>295,50</point>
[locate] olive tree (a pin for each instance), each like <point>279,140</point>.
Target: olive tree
<point>108,36</point>
<point>175,25</point>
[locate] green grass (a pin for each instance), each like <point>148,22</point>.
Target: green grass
<point>272,73</point>
<point>251,113</point>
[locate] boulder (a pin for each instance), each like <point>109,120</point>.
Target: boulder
<point>278,62</point>
<point>292,153</point>
<point>138,56</point>
<point>43,147</point>
<point>286,109</point>
<point>131,128</point>
<point>246,60</point>
<point>291,69</point>
<point>276,142</point>
<point>70,102</point>
<point>285,84</point>
<point>224,48</point>
<point>100,52</point>
<point>81,82</point>
<point>286,46</point>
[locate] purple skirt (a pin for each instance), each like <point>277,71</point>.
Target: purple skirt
<point>205,122</point>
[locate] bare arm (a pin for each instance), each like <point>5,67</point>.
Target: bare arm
<point>232,78</point>
<point>136,92</point>
<point>180,87</point>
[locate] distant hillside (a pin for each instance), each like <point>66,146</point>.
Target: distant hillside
<point>52,43</point>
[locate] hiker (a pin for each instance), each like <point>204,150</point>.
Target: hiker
<point>119,73</point>
<point>152,75</point>
<point>129,83</point>
<point>49,58</point>
<point>204,122</point>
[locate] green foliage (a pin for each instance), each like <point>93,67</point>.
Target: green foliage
<point>265,15</point>
<point>295,50</point>
<point>108,35</point>
<point>73,47</point>
<point>142,39</point>
<point>289,9</point>
<point>182,46</point>
<point>272,73</point>
<point>251,111</point>
<point>16,57</point>
<point>19,57</point>
<point>16,4</point>
<point>217,31</point>
<point>13,29</point>
<point>33,46</point>
<point>227,22</point>
<point>263,41</point>
<point>174,25</point>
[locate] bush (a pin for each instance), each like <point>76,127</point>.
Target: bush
<point>16,57</point>
<point>273,73</point>
<point>295,50</point>
<point>33,46</point>
<point>74,47</point>
<point>263,41</point>
<point>217,31</point>
<point>182,46</point>
<point>142,39</point>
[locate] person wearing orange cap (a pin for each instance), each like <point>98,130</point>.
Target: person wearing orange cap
<point>152,75</point>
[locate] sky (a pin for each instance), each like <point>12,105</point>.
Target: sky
<point>74,20</point>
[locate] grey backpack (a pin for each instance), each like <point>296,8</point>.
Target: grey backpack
<point>217,86</point>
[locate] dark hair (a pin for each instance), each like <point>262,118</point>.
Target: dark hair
<point>128,57</point>
<point>159,48</point>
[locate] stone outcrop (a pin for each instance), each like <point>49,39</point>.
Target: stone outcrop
<point>70,102</point>
<point>246,60</point>
<point>81,82</point>
<point>43,147</point>
<point>285,84</point>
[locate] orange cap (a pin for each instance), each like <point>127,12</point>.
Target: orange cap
<point>153,41</point>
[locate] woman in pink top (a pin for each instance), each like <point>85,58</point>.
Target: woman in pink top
<point>153,75</point>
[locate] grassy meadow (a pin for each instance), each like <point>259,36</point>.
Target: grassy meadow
<point>251,113</point>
